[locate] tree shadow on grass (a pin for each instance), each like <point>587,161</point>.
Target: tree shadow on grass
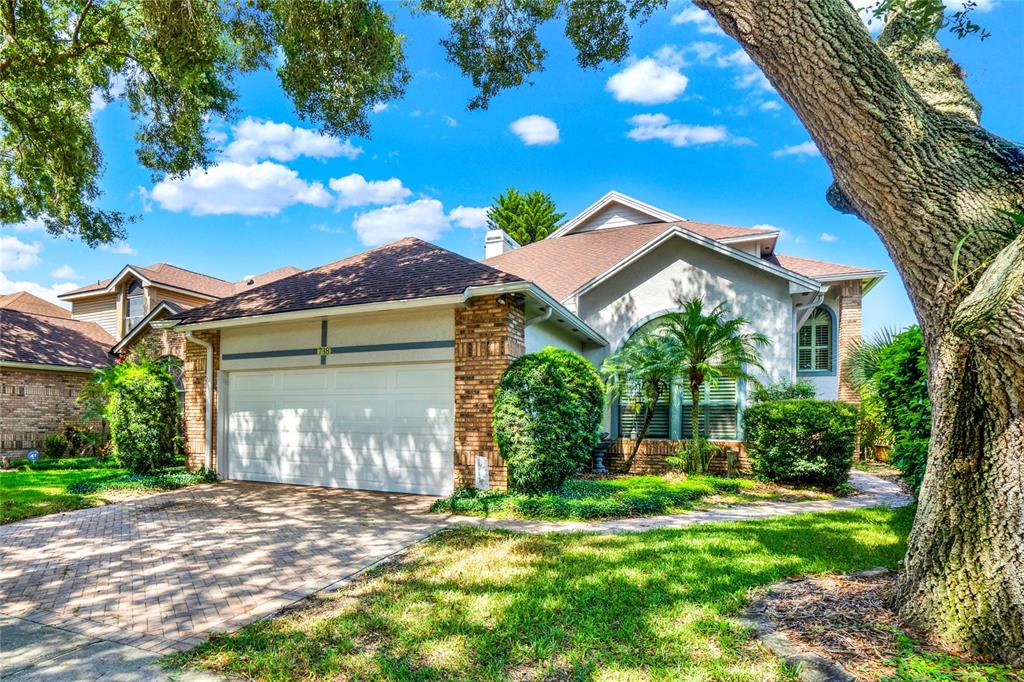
<point>490,605</point>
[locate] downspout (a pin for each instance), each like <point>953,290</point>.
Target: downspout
<point>539,318</point>
<point>207,456</point>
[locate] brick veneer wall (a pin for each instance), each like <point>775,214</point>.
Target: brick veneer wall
<point>164,341</point>
<point>36,403</point>
<point>650,459</point>
<point>488,337</point>
<point>849,334</point>
<point>195,399</point>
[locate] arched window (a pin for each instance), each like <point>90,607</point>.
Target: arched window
<point>135,306</point>
<point>814,343</point>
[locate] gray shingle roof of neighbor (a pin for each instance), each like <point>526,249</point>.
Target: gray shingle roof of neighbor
<point>180,278</point>
<point>52,340</point>
<point>404,270</point>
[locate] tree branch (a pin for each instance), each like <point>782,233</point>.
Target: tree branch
<point>986,304</point>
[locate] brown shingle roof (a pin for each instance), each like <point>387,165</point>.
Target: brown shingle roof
<point>812,268</point>
<point>561,265</point>
<point>404,270</point>
<point>27,303</point>
<point>46,340</point>
<point>180,278</point>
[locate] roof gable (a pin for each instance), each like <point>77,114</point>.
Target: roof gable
<point>614,209</point>
<point>405,270</point>
<point>174,278</point>
<point>27,303</point>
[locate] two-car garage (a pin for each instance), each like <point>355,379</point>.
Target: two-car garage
<point>373,427</point>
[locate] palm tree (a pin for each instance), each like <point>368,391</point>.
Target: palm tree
<point>647,363</point>
<point>710,347</point>
<point>861,361</point>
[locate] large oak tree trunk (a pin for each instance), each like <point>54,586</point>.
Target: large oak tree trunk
<point>900,131</point>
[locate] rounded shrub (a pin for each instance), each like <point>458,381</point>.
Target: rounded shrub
<point>143,416</point>
<point>801,441</point>
<point>547,417</point>
<point>55,445</point>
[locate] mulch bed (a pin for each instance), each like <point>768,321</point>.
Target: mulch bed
<point>845,619</point>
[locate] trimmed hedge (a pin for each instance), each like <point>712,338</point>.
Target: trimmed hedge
<point>547,417</point>
<point>143,416</point>
<point>801,441</point>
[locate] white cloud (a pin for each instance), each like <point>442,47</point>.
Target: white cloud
<point>534,129</point>
<point>651,80</point>
<point>18,255</point>
<point>469,216</point>
<point>120,248</point>
<point>423,218</point>
<point>254,140</point>
<point>49,293</point>
<point>355,190</point>
<point>770,105</point>
<point>245,189</point>
<point>784,235</point>
<point>703,21</point>
<point>449,121</point>
<point>661,127</point>
<point>749,74</point>
<point>827,237</point>
<point>379,107</point>
<point>804,149</point>
<point>30,225</point>
<point>64,272</point>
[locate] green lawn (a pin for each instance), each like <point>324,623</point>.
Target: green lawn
<point>487,605</point>
<point>58,485</point>
<point>623,496</point>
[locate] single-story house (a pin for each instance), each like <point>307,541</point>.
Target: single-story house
<point>46,358</point>
<point>378,371</point>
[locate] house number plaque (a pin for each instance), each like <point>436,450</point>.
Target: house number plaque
<point>323,350</point>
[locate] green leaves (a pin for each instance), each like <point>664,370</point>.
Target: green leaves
<point>527,218</point>
<point>174,63</point>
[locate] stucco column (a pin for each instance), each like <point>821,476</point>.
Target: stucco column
<point>489,335</point>
<point>849,335</point>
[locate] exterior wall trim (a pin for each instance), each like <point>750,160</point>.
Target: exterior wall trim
<point>369,348</point>
<point>48,368</point>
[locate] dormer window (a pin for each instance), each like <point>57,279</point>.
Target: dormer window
<point>135,306</point>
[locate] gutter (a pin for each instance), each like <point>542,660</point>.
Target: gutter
<point>207,456</point>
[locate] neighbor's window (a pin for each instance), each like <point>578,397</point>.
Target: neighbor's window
<point>814,343</point>
<point>135,309</point>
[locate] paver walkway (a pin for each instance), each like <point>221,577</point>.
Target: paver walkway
<point>874,492</point>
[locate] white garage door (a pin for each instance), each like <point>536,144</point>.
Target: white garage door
<point>373,428</point>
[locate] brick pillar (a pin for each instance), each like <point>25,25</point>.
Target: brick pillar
<point>195,399</point>
<point>849,334</point>
<point>488,337</point>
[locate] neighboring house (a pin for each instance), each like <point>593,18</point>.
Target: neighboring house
<point>46,358</point>
<point>378,371</point>
<point>47,352</point>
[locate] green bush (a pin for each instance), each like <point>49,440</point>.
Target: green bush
<point>783,390</point>
<point>801,441</point>
<point>901,379</point>
<point>695,457</point>
<point>78,438</point>
<point>547,416</point>
<point>143,415</point>
<point>55,445</point>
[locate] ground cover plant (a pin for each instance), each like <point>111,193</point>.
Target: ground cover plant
<point>486,605</point>
<point>616,497</point>
<point>59,485</point>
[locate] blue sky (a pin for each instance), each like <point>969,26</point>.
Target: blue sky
<point>687,124</point>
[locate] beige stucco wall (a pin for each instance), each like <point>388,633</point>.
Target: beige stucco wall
<point>345,330</point>
<point>681,269</point>
<point>550,333</point>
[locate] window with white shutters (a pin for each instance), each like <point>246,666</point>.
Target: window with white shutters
<point>632,413</point>
<point>814,343</point>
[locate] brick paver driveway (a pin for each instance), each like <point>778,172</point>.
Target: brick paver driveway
<point>162,572</point>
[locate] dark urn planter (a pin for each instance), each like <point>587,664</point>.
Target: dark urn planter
<point>599,450</point>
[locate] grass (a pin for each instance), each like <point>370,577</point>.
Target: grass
<point>51,486</point>
<point>623,496</point>
<point>473,604</point>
